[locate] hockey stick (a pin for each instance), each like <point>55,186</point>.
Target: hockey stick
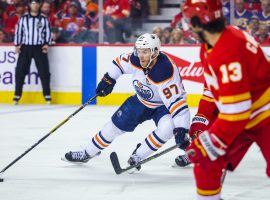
<point>118,170</point>
<point>52,131</point>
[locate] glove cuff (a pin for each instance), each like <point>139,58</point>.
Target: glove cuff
<point>200,119</point>
<point>109,80</point>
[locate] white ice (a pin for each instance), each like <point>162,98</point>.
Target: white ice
<point>41,175</point>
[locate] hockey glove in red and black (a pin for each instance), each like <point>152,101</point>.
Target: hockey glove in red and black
<point>199,124</point>
<point>206,148</point>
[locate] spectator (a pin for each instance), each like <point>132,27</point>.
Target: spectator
<point>263,35</point>
<point>253,27</point>
<point>179,22</point>
<point>3,38</point>
<point>139,12</point>
<point>14,17</point>
<point>91,16</point>
<point>46,9</point>
<point>63,7</point>
<point>226,10</point>
<point>32,37</point>
<point>57,36</point>
<point>177,37</point>
<point>73,22</point>
<point>253,6</point>
<point>166,37</point>
<point>264,16</point>
<point>10,9</point>
<point>242,16</point>
<point>91,6</point>
<point>3,6</point>
<point>158,31</point>
<point>119,11</point>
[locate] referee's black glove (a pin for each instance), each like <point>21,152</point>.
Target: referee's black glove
<point>105,86</point>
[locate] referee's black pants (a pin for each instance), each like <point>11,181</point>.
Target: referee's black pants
<point>23,67</point>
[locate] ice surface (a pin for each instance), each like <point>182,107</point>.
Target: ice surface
<point>41,175</point>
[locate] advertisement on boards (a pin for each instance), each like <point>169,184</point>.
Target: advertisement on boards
<point>66,76</point>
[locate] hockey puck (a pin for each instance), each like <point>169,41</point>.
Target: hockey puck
<point>1,180</point>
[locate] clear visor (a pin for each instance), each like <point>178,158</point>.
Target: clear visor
<point>142,51</point>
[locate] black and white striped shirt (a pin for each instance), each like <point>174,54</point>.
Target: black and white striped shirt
<point>33,30</point>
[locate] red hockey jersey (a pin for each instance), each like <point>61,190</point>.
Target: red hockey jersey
<point>237,74</point>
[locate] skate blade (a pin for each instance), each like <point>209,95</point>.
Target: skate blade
<point>183,167</point>
<point>65,160</point>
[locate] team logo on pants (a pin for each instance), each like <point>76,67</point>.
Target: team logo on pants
<point>142,90</point>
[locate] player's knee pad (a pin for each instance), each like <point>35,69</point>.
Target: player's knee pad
<point>110,131</point>
<point>165,128</point>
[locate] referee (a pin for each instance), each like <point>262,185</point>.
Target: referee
<point>32,37</point>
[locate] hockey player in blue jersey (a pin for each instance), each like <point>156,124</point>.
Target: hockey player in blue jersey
<point>160,96</point>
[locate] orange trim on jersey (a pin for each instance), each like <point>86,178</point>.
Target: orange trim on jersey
<point>100,142</point>
<point>148,104</point>
<point>208,50</point>
<point>259,118</point>
<point>118,62</point>
<point>153,141</point>
<point>177,106</point>
<point>235,117</point>
<point>200,147</point>
<point>208,99</point>
<point>263,100</point>
<point>208,192</point>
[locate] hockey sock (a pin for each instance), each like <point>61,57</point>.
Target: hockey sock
<point>103,139</point>
<point>151,144</point>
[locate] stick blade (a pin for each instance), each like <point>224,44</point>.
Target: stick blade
<point>115,163</point>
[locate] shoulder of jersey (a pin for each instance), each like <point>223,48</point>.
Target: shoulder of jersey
<point>235,34</point>
<point>162,71</point>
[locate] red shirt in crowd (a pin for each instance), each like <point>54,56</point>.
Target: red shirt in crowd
<point>114,8</point>
<point>11,23</point>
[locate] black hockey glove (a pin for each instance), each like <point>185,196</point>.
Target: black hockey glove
<point>105,86</point>
<point>181,137</point>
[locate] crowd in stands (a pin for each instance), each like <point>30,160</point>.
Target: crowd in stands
<point>77,21</point>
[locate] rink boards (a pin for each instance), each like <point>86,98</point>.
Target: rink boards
<point>76,70</point>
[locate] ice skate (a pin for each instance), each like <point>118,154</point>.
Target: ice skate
<point>182,161</point>
<point>78,156</point>
<point>16,100</point>
<point>134,159</point>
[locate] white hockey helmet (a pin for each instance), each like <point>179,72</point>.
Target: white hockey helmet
<point>146,41</point>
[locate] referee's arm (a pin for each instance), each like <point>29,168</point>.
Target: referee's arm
<point>47,32</point>
<point>19,32</point>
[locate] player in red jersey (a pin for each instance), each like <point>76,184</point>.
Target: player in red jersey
<point>234,111</point>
